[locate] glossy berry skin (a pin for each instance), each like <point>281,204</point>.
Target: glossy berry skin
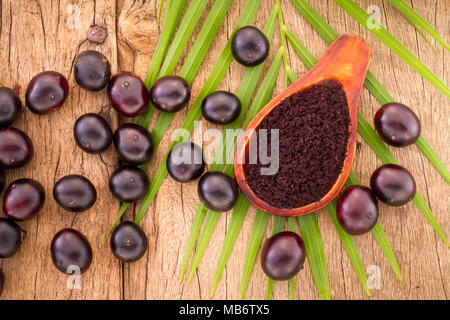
<point>357,210</point>
<point>250,46</point>
<point>75,193</point>
<point>129,184</point>
<point>11,237</point>
<point>71,251</point>
<point>217,191</point>
<point>393,184</point>
<point>170,94</point>
<point>92,70</point>
<point>133,143</point>
<point>127,94</point>
<point>185,162</point>
<point>23,199</point>
<point>2,179</point>
<point>16,148</point>
<point>128,242</point>
<point>2,281</point>
<point>10,107</point>
<point>283,255</point>
<point>397,124</point>
<point>46,92</point>
<point>221,107</point>
<point>92,133</point>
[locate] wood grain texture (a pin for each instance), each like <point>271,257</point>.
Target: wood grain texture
<point>46,35</point>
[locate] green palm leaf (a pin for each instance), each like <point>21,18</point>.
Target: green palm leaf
<point>379,235</point>
<point>172,56</point>
<point>347,240</point>
<point>417,21</point>
<point>350,247</point>
<point>194,59</point>
<point>278,226</point>
<point>171,19</point>
<point>190,67</point>
<point>315,253</point>
<point>172,13</point>
<point>256,236</point>
<point>364,129</point>
<point>245,92</point>
<point>266,86</point>
<point>383,153</point>
<point>371,83</point>
<point>392,43</point>
<point>291,227</point>
<point>211,84</point>
<point>375,142</point>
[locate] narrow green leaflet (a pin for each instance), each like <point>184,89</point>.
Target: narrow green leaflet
<point>266,86</point>
<point>208,229</point>
<point>379,235</point>
<point>291,227</point>
<point>193,61</point>
<point>190,67</point>
<point>347,240</point>
<point>304,54</point>
<point>418,21</point>
<point>350,248</point>
<point>245,92</point>
<point>278,226</point>
<point>432,156</point>
<point>195,57</point>
<point>160,5</point>
<point>256,236</point>
<point>211,84</point>
<point>172,56</point>
<point>392,43</point>
<point>185,30</point>
<point>171,19</point>
<point>195,229</point>
<point>374,141</point>
<point>364,129</point>
<point>174,14</point>
<point>242,205</point>
<point>316,20</point>
<point>315,253</point>
<point>248,84</point>
<point>380,149</point>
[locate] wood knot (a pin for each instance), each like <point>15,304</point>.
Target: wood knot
<point>96,34</point>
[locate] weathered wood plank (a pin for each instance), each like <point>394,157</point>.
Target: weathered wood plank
<point>38,36</point>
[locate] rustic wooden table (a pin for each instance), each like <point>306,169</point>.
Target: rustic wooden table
<point>47,35</point>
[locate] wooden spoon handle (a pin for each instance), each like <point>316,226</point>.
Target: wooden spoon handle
<point>347,61</point>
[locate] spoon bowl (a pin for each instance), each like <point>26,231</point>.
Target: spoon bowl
<point>346,61</point>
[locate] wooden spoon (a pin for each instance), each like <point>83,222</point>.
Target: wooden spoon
<point>346,61</point>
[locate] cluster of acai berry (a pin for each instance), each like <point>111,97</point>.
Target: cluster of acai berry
<point>129,96</point>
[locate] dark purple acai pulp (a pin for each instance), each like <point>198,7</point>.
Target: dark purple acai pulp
<point>313,129</point>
